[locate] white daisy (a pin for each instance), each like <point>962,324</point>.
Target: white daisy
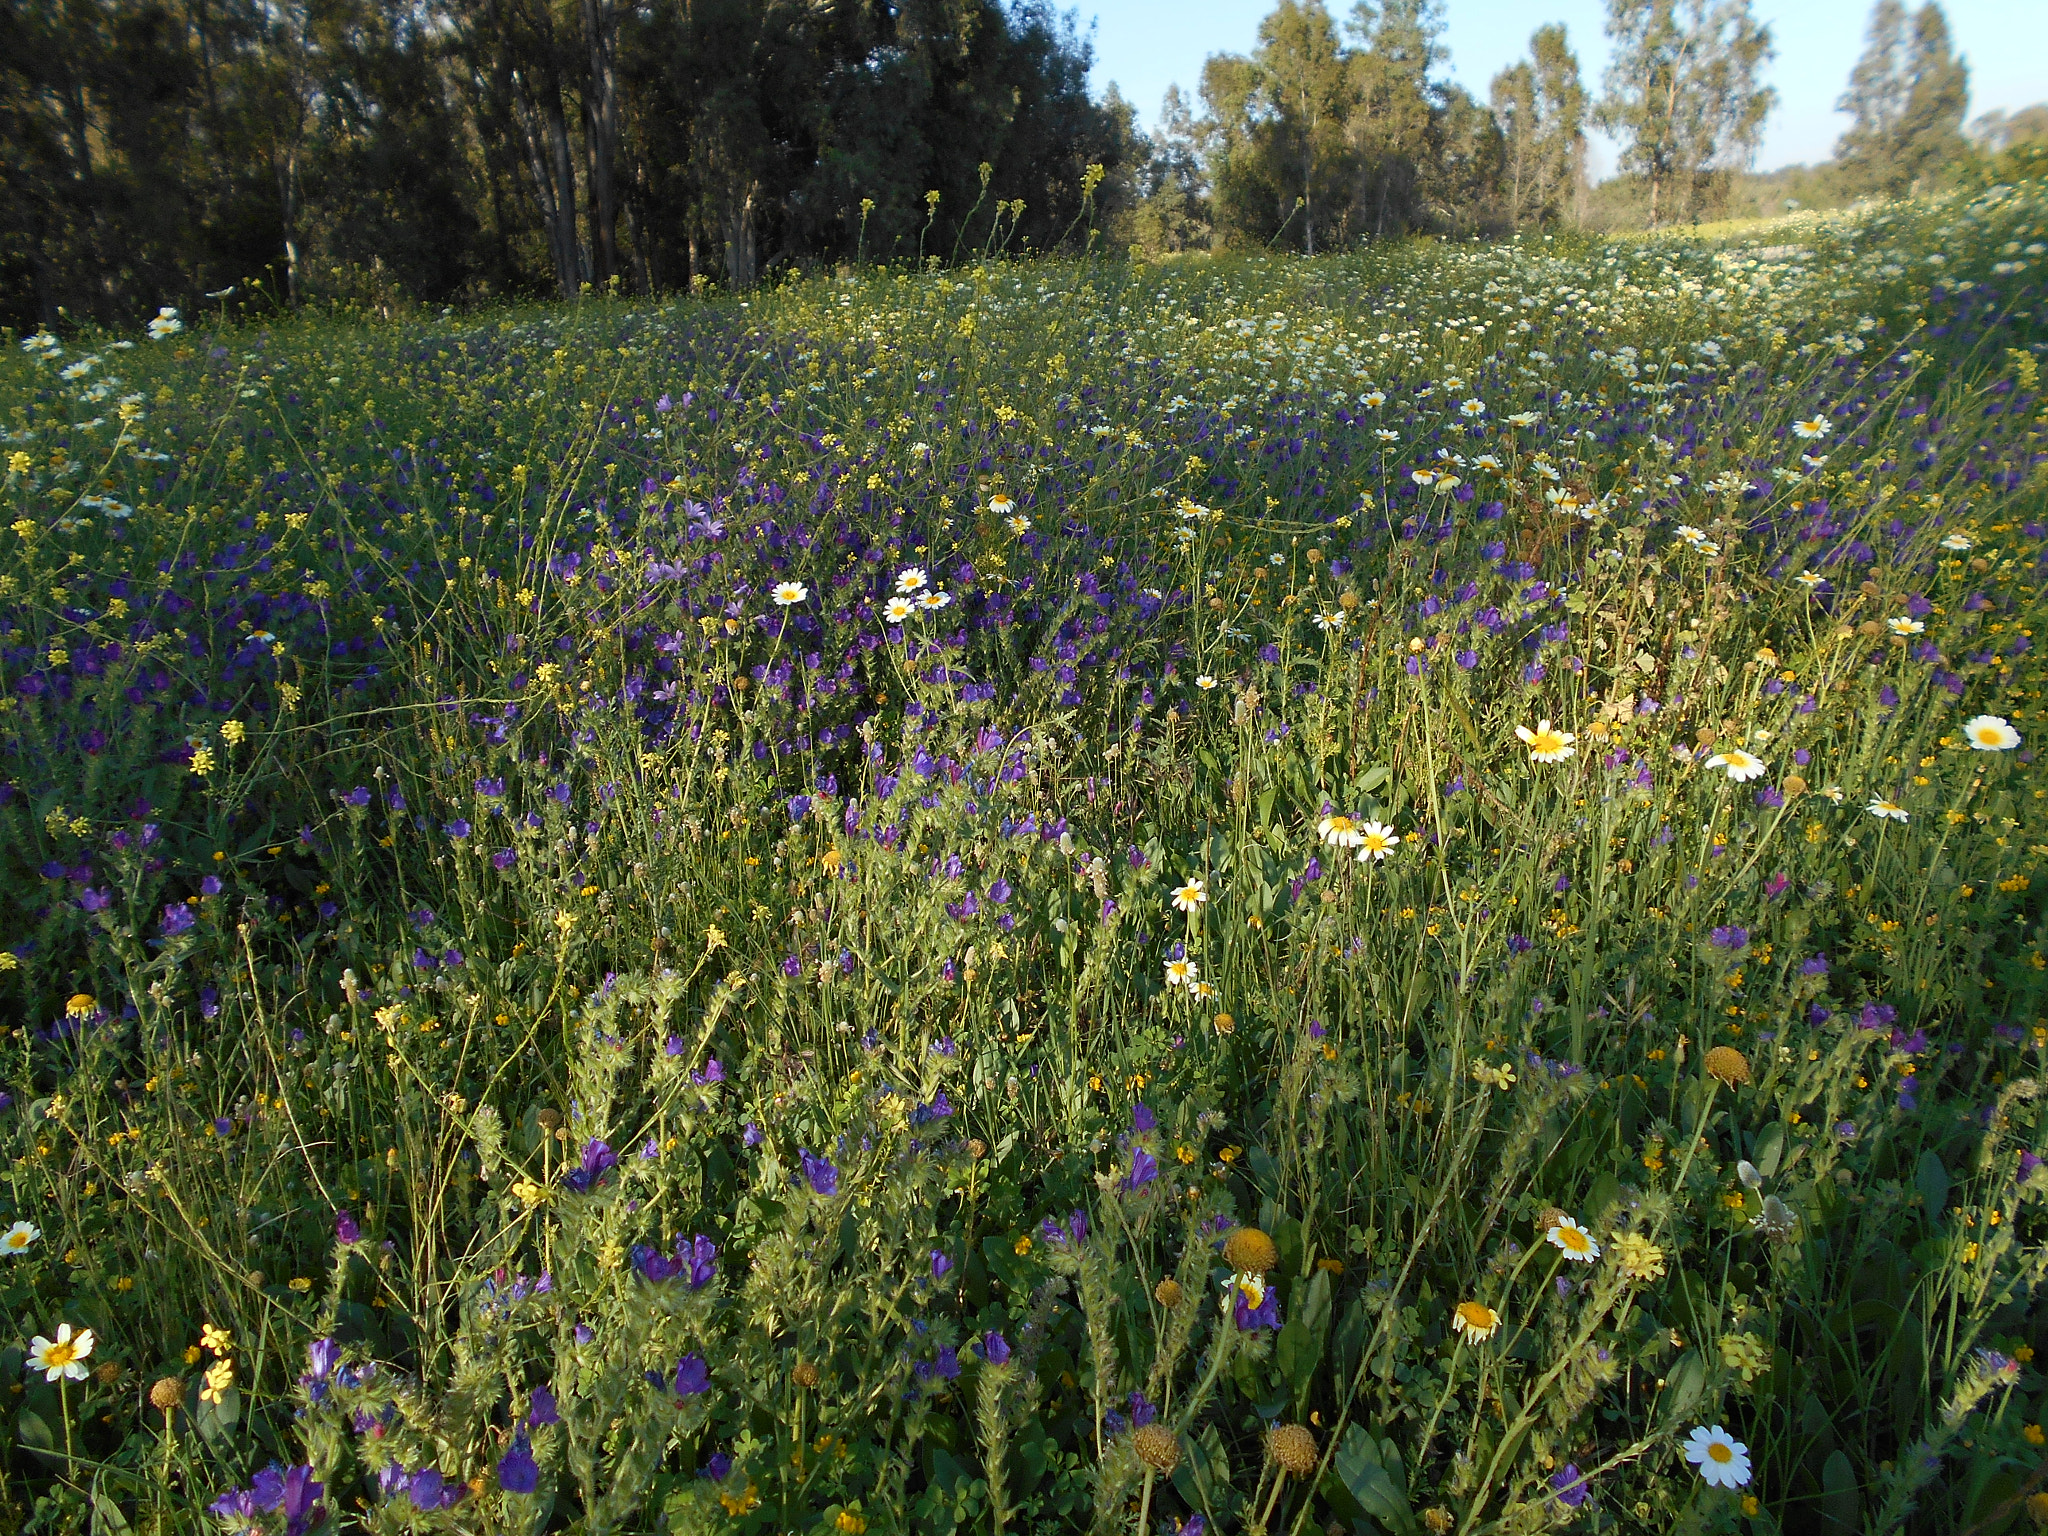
<point>1376,841</point>
<point>62,1356</point>
<point>1573,1241</point>
<point>1991,733</point>
<point>1722,1459</point>
<point>1742,766</point>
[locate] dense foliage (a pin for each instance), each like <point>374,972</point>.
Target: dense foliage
<point>372,152</point>
<point>1392,892</point>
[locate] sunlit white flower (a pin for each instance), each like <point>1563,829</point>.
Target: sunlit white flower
<point>1386,435</point>
<point>1193,896</point>
<point>1885,810</point>
<point>165,324</point>
<point>1205,682</point>
<point>1810,580</point>
<point>910,578</point>
<point>1339,832</point>
<point>934,600</point>
<point>1523,419</point>
<point>62,1356</point>
<point>1572,1240</point>
<point>1722,1459</point>
<point>1905,626</point>
<point>1375,841</point>
<point>1202,991</point>
<point>1957,542</point>
<point>1001,505</point>
<point>1374,398</point>
<point>1546,743</point>
<point>1472,408</point>
<point>1813,427</point>
<point>1332,620</point>
<point>1019,524</point>
<point>1181,973</point>
<point>1991,733</point>
<point>788,592</point>
<point>1742,766</point>
<point>1475,1321</point>
<point>897,609</point>
<point>18,1238</point>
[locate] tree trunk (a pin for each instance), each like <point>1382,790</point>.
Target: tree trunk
<point>544,133</point>
<point>740,258</point>
<point>601,134</point>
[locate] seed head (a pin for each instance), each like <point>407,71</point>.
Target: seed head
<point>1167,1293</point>
<point>167,1394</point>
<point>1158,1447</point>
<point>1250,1252</point>
<point>550,1119</point>
<point>1225,1023</point>
<point>805,1375</point>
<point>1293,1448</point>
<point>1727,1063</point>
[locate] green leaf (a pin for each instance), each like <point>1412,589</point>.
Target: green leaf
<point>217,1421</point>
<point>34,1431</point>
<point>1769,1150</point>
<point>1683,1384</point>
<point>1203,1478</point>
<point>1295,1356</point>
<point>107,1519</point>
<point>1371,1473</point>
<point>1931,1179</point>
<point>1841,1506</point>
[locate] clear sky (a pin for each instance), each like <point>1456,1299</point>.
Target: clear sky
<point>1147,45</point>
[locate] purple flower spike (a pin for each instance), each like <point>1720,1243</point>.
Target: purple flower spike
<point>823,1177</point>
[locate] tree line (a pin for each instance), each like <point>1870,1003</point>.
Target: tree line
<point>292,151</point>
<point>156,151</point>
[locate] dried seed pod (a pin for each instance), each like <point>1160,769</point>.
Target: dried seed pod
<point>1250,1252</point>
<point>1728,1064</point>
<point>1167,1293</point>
<point>1292,1448</point>
<point>1158,1447</point>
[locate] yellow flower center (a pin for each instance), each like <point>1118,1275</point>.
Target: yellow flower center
<point>1720,1452</point>
<point>57,1356</point>
<point>1546,741</point>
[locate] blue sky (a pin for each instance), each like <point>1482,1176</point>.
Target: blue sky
<point>1146,45</point>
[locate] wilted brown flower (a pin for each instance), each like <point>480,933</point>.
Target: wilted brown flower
<point>167,1394</point>
<point>1728,1064</point>
<point>1250,1252</point>
<point>805,1375</point>
<point>1158,1447</point>
<point>1293,1448</point>
<point>1167,1293</point>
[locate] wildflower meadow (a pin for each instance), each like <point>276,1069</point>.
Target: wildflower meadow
<point>1389,893</point>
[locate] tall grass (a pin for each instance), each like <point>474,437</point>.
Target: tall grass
<point>596,1046</point>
